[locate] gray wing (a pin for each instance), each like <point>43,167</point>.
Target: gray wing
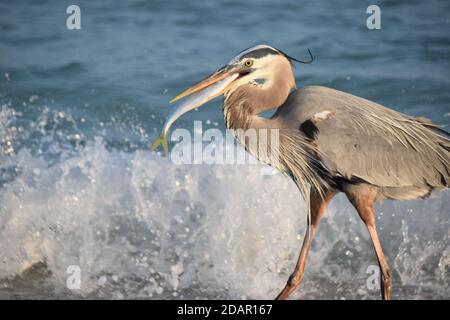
<point>359,139</point>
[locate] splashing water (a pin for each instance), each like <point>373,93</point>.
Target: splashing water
<point>139,226</point>
<point>80,187</point>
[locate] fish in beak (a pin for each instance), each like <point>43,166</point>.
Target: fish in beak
<point>197,95</point>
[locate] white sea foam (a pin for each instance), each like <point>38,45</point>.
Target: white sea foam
<point>140,226</point>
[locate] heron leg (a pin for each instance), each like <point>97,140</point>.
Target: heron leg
<point>317,207</point>
<point>364,204</point>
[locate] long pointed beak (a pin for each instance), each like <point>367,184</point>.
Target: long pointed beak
<point>215,77</point>
<point>200,93</point>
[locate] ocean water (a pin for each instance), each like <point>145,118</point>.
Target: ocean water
<point>80,187</point>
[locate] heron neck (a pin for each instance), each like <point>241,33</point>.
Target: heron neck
<point>242,106</point>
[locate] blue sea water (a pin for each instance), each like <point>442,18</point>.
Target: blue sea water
<point>79,185</point>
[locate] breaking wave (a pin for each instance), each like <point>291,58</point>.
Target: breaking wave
<point>139,226</point>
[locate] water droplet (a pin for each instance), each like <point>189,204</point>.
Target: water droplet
<point>102,281</point>
<point>33,98</point>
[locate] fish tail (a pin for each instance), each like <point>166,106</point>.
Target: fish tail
<point>161,140</point>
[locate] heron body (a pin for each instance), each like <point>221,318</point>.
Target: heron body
<point>329,142</point>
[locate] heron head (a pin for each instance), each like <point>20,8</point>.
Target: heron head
<point>259,65</point>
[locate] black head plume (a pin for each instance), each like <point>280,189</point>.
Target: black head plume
<point>293,59</point>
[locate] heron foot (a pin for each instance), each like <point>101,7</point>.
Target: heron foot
<point>386,285</point>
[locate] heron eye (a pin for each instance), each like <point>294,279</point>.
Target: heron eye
<point>248,63</point>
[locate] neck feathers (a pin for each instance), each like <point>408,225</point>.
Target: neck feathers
<point>244,102</point>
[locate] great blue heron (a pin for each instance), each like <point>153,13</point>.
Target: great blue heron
<point>329,142</point>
